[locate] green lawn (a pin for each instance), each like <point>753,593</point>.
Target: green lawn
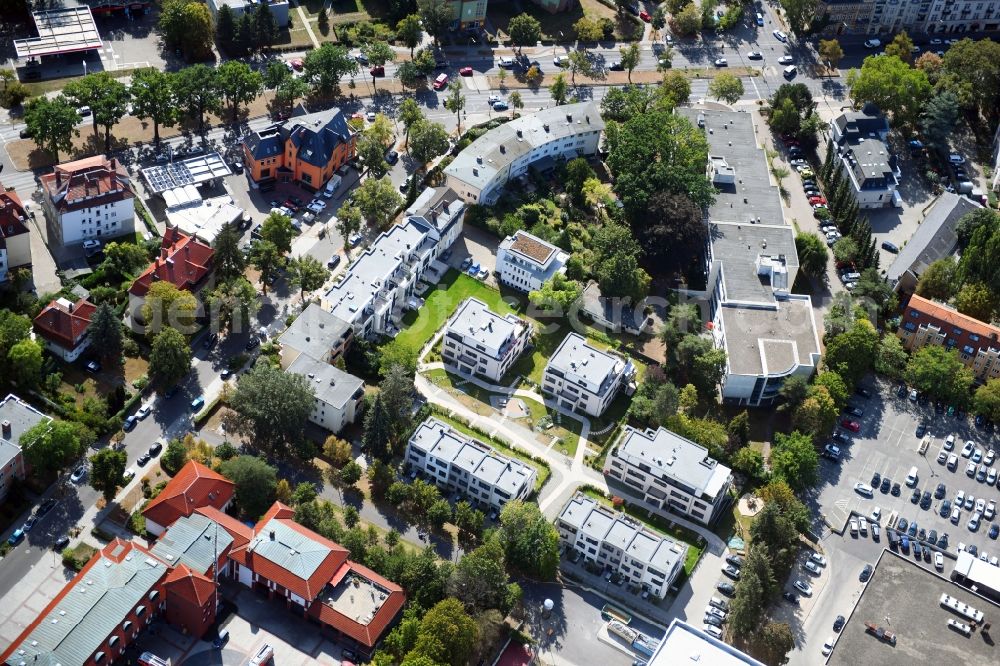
<point>454,288</point>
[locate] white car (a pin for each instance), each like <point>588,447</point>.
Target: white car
<point>876,516</point>
<point>144,411</point>
<point>494,99</point>
<point>780,36</point>
<point>811,567</point>
<point>970,469</point>
<point>960,498</point>
<point>980,505</point>
<point>991,476</point>
<point>994,561</point>
<point>721,62</point>
<point>717,612</point>
<point>990,456</point>
<point>969,502</point>
<point>969,447</point>
<point>715,632</point>
<point>949,443</point>
<point>803,587</point>
<point>863,489</point>
<point>863,525</point>
<point>128,476</point>
<point>938,561</point>
<point>78,474</point>
<point>785,60</point>
<point>828,646</point>
<point>990,511</point>
<point>559,61</point>
<point>942,457</point>
<point>952,462</point>
<point>818,559</point>
<point>973,523</point>
<point>977,455</point>
<point>872,43</point>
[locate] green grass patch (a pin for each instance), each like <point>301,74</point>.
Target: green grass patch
<point>77,557</point>
<point>540,465</point>
<point>695,543</point>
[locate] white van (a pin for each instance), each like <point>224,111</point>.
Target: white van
<point>790,72</point>
<point>506,61</point>
<point>263,655</point>
<point>331,186</point>
<point>911,478</point>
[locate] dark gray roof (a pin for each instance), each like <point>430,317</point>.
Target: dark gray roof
<point>855,124</point>
<point>22,417</point>
<point>315,333</point>
<point>267,142</point>
<point>194,541</point>
<point>739,247</point>
<point>315,136</point>
<point>331,384</point>
<point>935,237</point>
<point>871,163</point>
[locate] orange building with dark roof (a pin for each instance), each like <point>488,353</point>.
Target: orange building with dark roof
<point>195,486</point>
<point>63,326</point>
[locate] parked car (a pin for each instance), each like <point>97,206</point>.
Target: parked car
<point>721,62</point>
<point>78,474</point>
<point>803,587</point>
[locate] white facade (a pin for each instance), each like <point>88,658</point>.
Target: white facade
<point>671,472</point>
<point>686,644</point>
<point>480,172</point>
<point>525,262</point>
<point>456,462</point>
<point>15,251</point>
<point>481,342</point>
<point>338,395</point>
<point>584,378</point>
<point>100,222</point>
<point>622,544</point>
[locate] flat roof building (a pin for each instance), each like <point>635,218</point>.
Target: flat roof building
<point>671,473</point>
<point>315,333</point>
<point>455,461</point>
<point>480,172</point>
<point>751,263</point>
<point>481,342</point>
<point>525,262</point>
<point>179,174</point>
<point>16,417</point>
<point>583,378</point>
<point>645,558</point>
<point>685,644</point>
<point>201,218</point>
<point>60,31</point>
<point>338,395</point>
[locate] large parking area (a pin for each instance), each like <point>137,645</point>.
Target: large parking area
<point>888,445</point>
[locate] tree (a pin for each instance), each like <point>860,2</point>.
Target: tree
<point>939,120</point>
<point>265,28</point>
<point>275,74</point>
<point>409,114</point>
<point>371,153</point>
<point>304,493</point>
<point>428,141</point>
<point>153,98</point>
<point>349,220</point>
<point>337,450</point>
<point>892,85</point>
<point>901,46</point>
<point>273,406</point>
<point>891,357</point>
<point>559,89</point>
<point>438,514</point>
<point>800,13</point>
<point>323,21</point>
<point>278,229</point>
<point>238,84</point>
<point>266,258</point>
<point>726,87</point>
<point>52,123</point>
<point>436,16</point>
<point>225,28</point>
<point>174,457</point>
<point>378,201</point>
<point>813,254</point>
<point>975,68</point>
<point>107,98</point>
<point>516,103</point>
<point>455,102</point>
<point>197,92</point>
<point>580,61</point>
<point>531,542</point>
<point>938,281</point>
<point>751,592</point>
<point>166,305</point>
<point>377,439</point>
<point>852,353</point>
<point>830,52</point>
<point>447,635</point>
<point>774,642</point>
<point>846,250</point>
<point>170,356</point>
<point>976,300</point>
<point>941,373</point>
<point>630,56</point>
<point>410,32</point>
<point>468,519</point>
<point>524,30</point>
<point>675,89</point>
<point>378,53</point>
<point>750,462</point>
<point>106,469</point>
<point>350,473</point>
<point>654,152</point>
<point>558,293</point>
<point>687,22</point>
<point>49,446</point>
<point>985,402</point>
<point>835,386</point>
<point>233,304</point>
<point>588,30</point>
<point>817,414</point>
<point>306,273</point>
<point>255,483</point>
<point>659,19</point>
<point>794,459</point>
<point>616,264</point>
<point>228,258</point>
<point>105,333</point>
<point>289,90</point>
<point>480,578</point>
<point>188,26</point>
<point>26,356</point>
<point>396,391</point>
<point>325,66</point>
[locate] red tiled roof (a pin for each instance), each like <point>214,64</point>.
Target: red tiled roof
<point>277,510</point>
<point>64,325</point>
<point>938,314</point>
<point>191,585</point>
<point>366,634</point>
<point>194,486</point>
<point>92,181</point>
<point>183,261</point>
<point>12,216</point>
<point>241,533</point>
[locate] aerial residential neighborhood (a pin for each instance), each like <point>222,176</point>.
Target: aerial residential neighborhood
<point>456,332</point>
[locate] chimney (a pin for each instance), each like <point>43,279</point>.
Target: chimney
<point>6,429</point>
<point>271,534</point>
<point>58,178</point>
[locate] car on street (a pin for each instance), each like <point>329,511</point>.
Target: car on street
<point>853,426</point>
<point>886,483</point>
<point>142,460</point>
<point>735,560</point>
<point>942,457</point>
<point>973,523</point>
<point>721,62</point>
<point>939,492</point>
<point>61,543</point>
<point>377,70</point>
<point>832,452</point>
<point>838,624</point>
<point>925,501</point>
<point>717,612</point>
<point>785,60</point>
<point>994,531</point>
<point>500,106</point>
<point>854,411</point>
<point>391,157</point>
<point>755,55</point>
<point>818,559</point>
<point>296,64</point>
<point>866,573</point>
<point>977,455</point>
<point>93,366</point>
<point>129,423</point>
<point>760,19</point>
<point>16,537</point>
<point>465,71</point>
<point>955,158</point>
<point>803,587</point>
<point>945,509</point>
<point>198,402</point>
<point>876,515</point>
<point>780,36</point>
<point>895,490</point>
<point>560,61</point>
<point>78,474</point>
<point>155,448</point>
<point>990,511</point>
<point>711,630</point>
<point>872,43</point>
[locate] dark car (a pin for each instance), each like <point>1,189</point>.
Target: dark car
<point>922,534</point>
<point>921,430</point>
<point>93,366</point>
<point>29,523</point>
<point>142,460</point>
<point>171,392</point>
<point>876,480</point>
<point>210,340</point>
<point>913,529</point>
<point>253,342</point>
<point>129,423</point>
<point>895,490</point>
<point>901,391</point>
<point>945,509</point>
<point>973,550</point>
<point>994,531</point>
<point>943,541</point>
<point>980,420</point>
<point>25,133</point>
<point>735,560</point>
<point>939,491</point>
<point>46,506</point>
<point>790,598</point>
<point>902,525</point>
<point>932,536</point>
<point>350,655</point>
<point>392,157</point>
<point>855,411</point>
<point>616,66</point>
<point>155,448</point>
<point>377,70</point>
<point>915,496</point>
<point>890,247</point>
<point>841,438</point>
<point>727,589</point>
<point>255,233</point>
<point>61,543</point>
<point>925,501</point>
<point>838,624</point>
<point>221,639</point>
<point>885,485</point>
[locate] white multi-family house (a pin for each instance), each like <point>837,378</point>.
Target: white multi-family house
<point>586,379</point>
<point>89,199</point>
<point>338,395</point>
<point>479,341</point>
<point>671,472</point>
<point>460,463</point>
<point>525,262</point>
<point>621,544</point>
<point>15,246</point>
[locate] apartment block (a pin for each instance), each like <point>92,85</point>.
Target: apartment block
<point>525,262</point>
<point>925,322</point>
<point>315,333</point>
<point>338,395</point>
<point>671,473</point>
<point>888,17</point>
<point>279,8</point>
<point>481,342</point>
<point>468,14</point>
<point>89,199</point>
<point>621,544</point>
<point>16,417</point>
<point>586,379</point>
<point>459,463</point>
<point>864,156</point>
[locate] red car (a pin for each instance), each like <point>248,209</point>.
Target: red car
<point>465,71</point>
<point>817,200</point>
<point>853,426</point>
<point>377,70</point>
<point>297,65</point>
<point>644,15</point>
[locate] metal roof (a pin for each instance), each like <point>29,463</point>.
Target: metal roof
<point>65,30</point>
<point>195,541</point>
<point>192,171</point>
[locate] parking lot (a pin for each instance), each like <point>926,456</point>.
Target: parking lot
<point>887,444</point>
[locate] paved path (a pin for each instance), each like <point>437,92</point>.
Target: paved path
<point>305,24</point>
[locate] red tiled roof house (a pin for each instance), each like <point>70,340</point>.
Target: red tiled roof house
<point>195,486</point>
<point>15,247</point>
<point>184,261</point>
<point>63,327</point>
<point>89,199</point>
